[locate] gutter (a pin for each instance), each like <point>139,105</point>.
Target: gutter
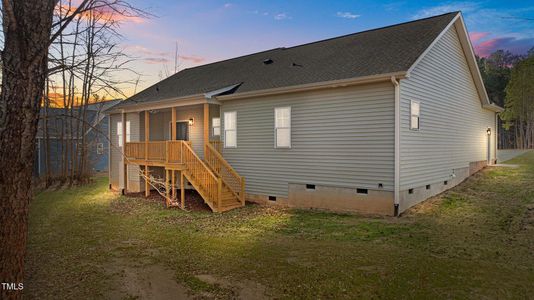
<point>396,192</point>
<point>313,86</point>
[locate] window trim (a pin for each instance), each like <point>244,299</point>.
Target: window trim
<point>119,133</point>
<point>213,127</point>
<point>99,148</point>
<point>418,116</point>
<point>179,121</point>
<point>225,130</point>
<point>276,129</point>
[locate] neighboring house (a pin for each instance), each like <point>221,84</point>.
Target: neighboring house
<point>374,122</point>
<point>58,121</point>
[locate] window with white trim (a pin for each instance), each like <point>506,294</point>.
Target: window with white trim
<point>230,129</point>
<point>127,131</point>
<point>414,115</point>
<point>100,148</point>
<point>119,132</point>
<point>216,124</point>
<point>282,127</point>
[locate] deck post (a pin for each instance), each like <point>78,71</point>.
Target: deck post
<point>173,122</point>
<point>182,191</point>
<point>166,187</point>
<point>173,181</point>
<point>147,138</point>
<point>219,193</point>
<point>125,165</point>
<point>147,185</point>
<point>242,191</point>
<point>206,125</point>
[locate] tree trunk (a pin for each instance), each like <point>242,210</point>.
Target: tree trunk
<point>27,27</point>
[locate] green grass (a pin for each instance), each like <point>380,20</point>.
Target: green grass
<point>474,241</point>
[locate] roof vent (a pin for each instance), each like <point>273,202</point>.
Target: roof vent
<point>268,61</point>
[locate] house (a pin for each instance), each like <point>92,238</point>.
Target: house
<point>61,144</point>
<point>373,122</point>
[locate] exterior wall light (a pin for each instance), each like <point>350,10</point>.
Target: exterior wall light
<point>488,131</point>
<point>191,121</point>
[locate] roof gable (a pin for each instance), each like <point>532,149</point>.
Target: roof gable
<point>469,54</point>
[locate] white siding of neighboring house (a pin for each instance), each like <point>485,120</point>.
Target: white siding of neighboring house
<point>452,121</point>
<point>116,167</point>
<point>342,137</point>
<point>134,179</point>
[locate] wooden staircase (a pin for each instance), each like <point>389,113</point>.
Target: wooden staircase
<point>214,179</point>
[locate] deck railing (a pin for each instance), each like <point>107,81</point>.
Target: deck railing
<point>210,185</point>
<point>217,144</point>
<point>222,168</point>
<point>155,151</point>
<point>135,150</point>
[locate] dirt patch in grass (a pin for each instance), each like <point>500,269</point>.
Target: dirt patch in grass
<point>150,281</point>
<point>241,289</point>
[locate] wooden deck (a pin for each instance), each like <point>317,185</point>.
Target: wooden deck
<point>221,187</point>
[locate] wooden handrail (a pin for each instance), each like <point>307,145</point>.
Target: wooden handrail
<point>217,145</point>
<point>209,183</point>
<point>222,168</point>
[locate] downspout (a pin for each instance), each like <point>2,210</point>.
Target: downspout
<point>396,190</point>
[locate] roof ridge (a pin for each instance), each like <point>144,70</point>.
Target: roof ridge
<point>374,29</point>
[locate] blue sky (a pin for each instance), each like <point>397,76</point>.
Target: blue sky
<point>208,31</point>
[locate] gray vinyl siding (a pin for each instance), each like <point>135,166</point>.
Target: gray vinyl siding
<point>115,160</point>
<point>452,121</point>
<point>339,137</point>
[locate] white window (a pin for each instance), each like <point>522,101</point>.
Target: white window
<point>127,131</point>
<point>119,132</point>
<point>414,115</point>
<point>230,130</point>
<point>99,148</point>
<point>282,127</point>
<point>216,124</point>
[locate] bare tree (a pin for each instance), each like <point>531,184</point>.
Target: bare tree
<point>29,30</point>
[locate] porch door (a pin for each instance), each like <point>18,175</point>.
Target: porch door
<point>182,131</point>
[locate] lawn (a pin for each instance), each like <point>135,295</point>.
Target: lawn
<point>474,241</point>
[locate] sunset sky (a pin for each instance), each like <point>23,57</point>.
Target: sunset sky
<point>208,31</point>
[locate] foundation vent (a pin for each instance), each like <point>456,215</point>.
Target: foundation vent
<point>272,198</point>
<point>428,186</point>
<point>445,182</point>
<point>310,186</point>
<point>410,191</point>
<point>361,191</point>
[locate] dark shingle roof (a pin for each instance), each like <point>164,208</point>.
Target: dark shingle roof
<point>379,51</point>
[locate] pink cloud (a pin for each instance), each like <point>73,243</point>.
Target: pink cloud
<point>155,60</point>
<point>477,36</point>
<point>193,58</point>
<point>512,44</point>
